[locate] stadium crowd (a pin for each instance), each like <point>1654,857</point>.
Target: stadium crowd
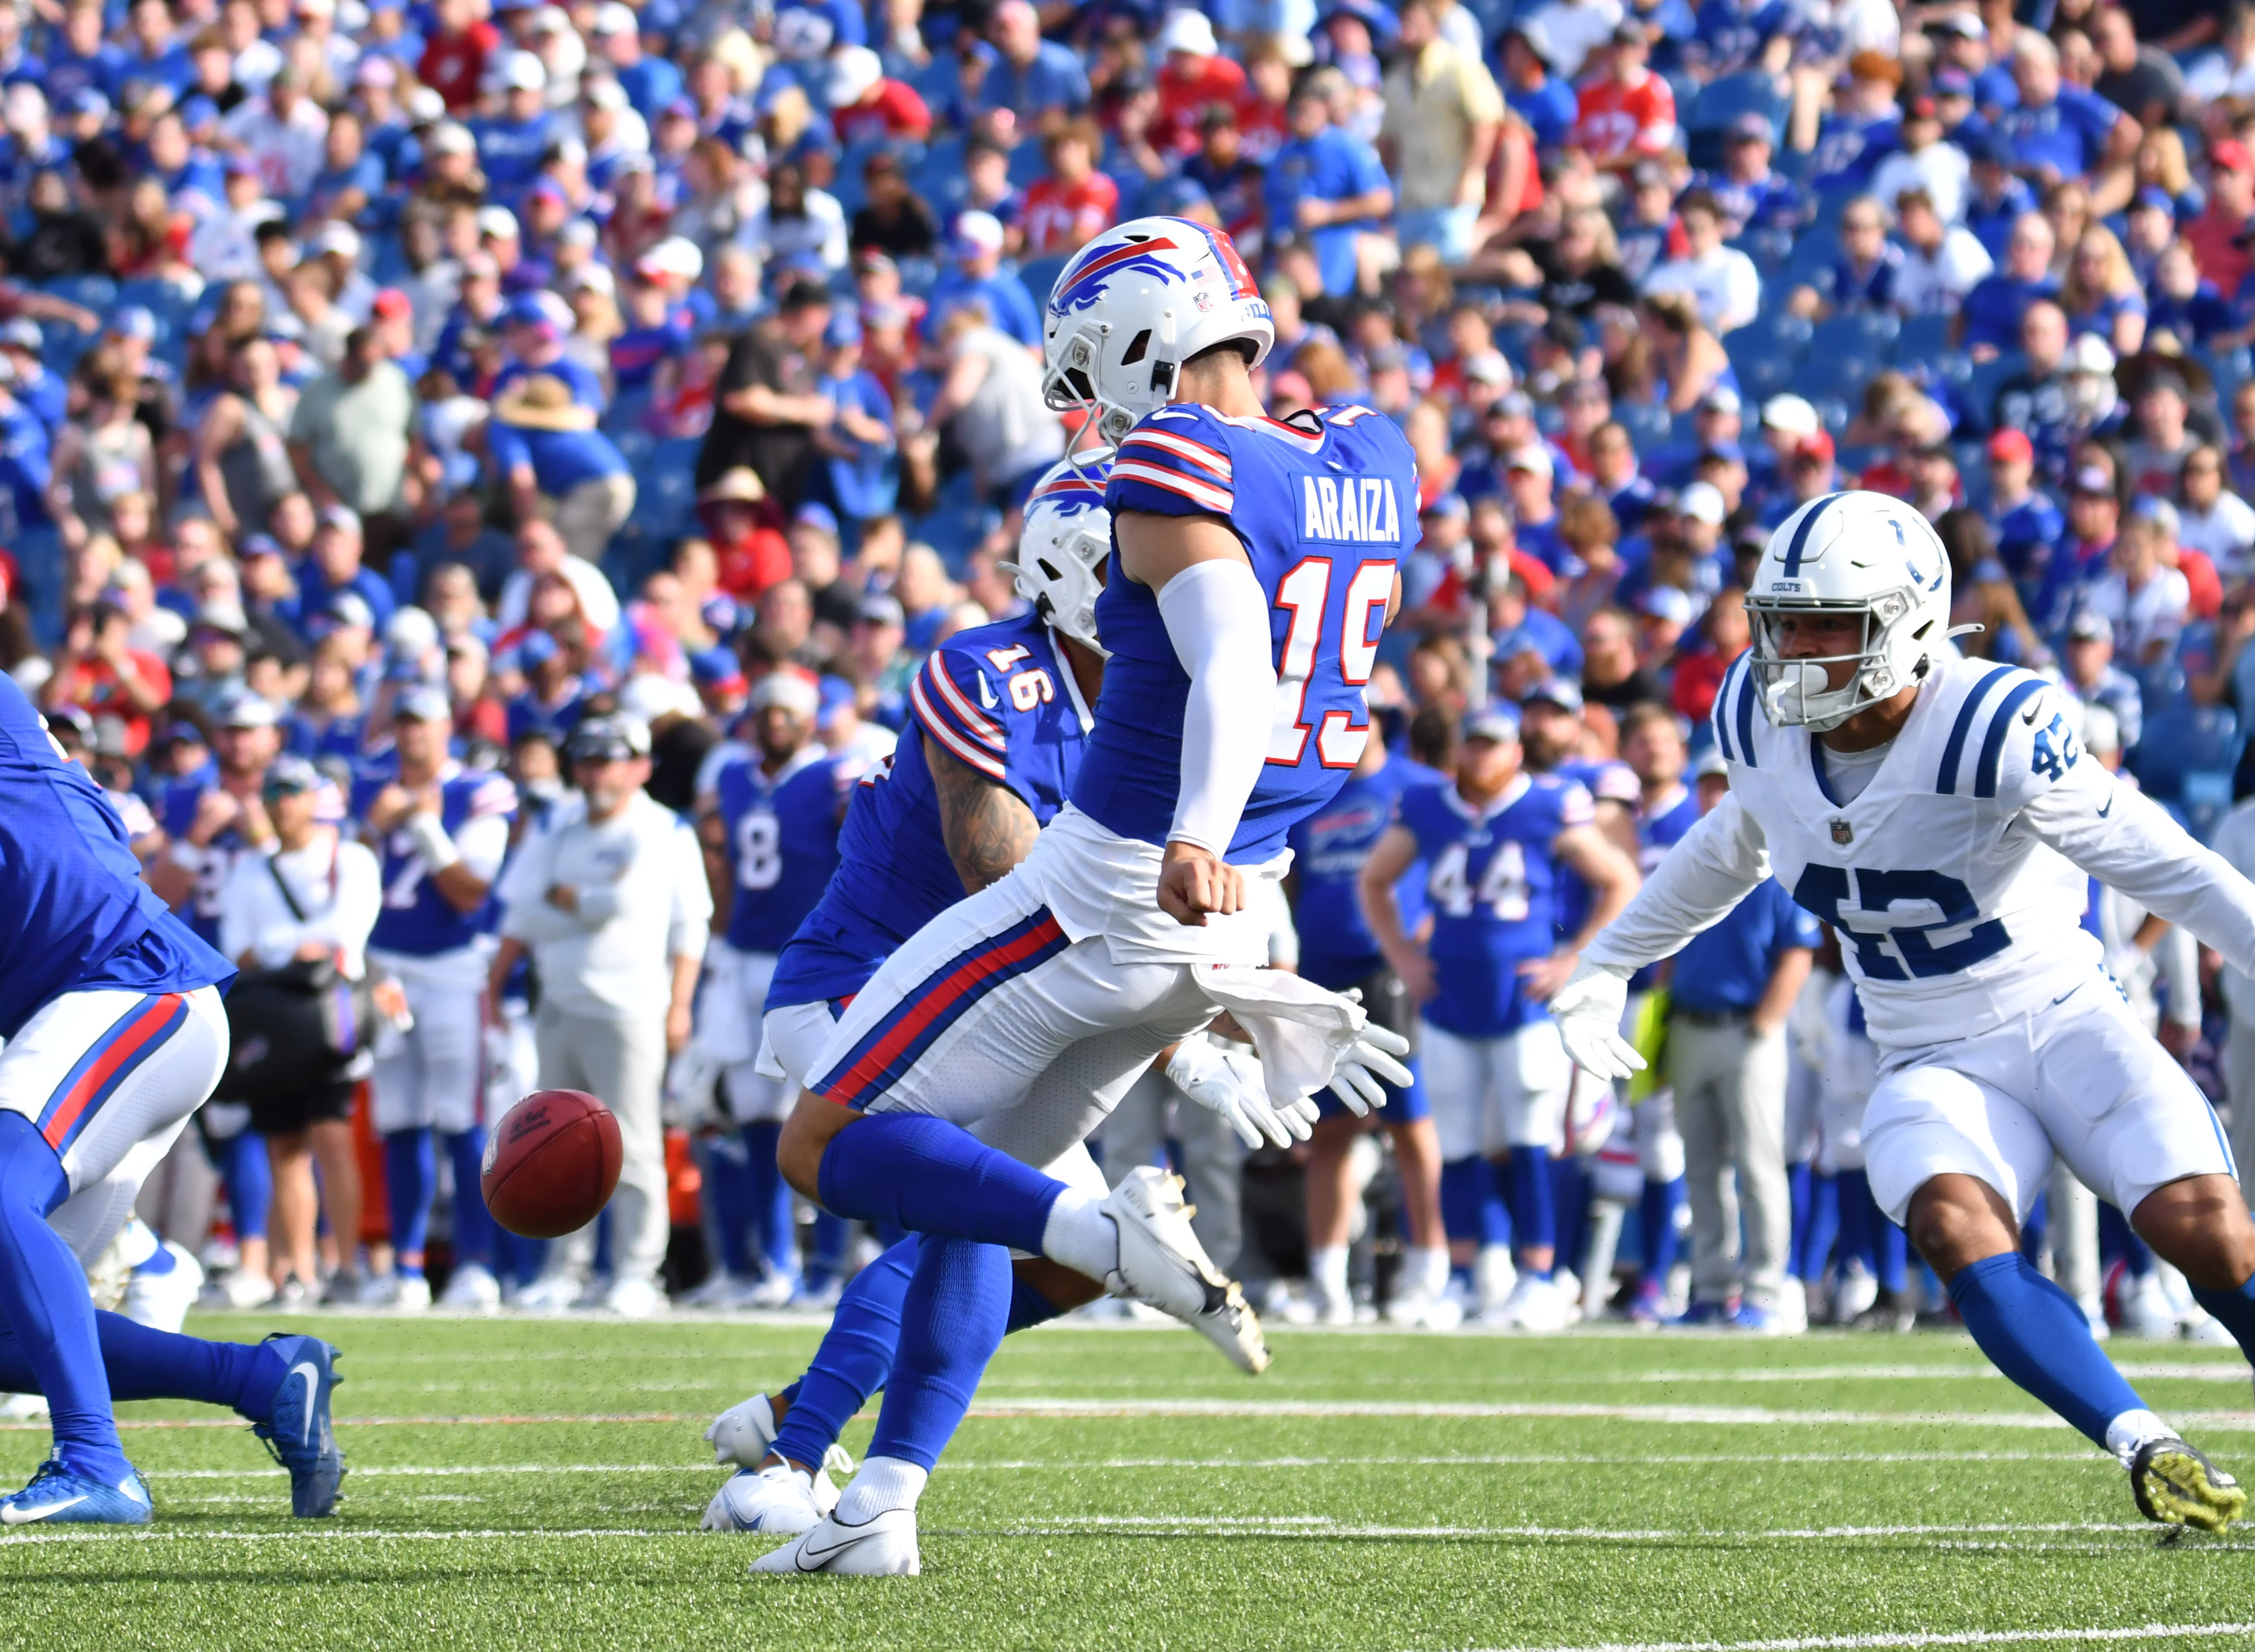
<point>390,393</point>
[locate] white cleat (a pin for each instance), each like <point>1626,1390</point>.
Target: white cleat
<point>239,1289</point>
<point>717,1290</point>
<point>777,1498</point>
<point>634,1297</point>
<point>1536,1304</point>
<point>2147,1311</point>
<point>1162,1264</point>
<point>550,1293</point>
<point>1494,1279</point>
<point>162,1301</point>
<point>403,1293</point>
<point>767,1295</point>
<point>884,1546</point>
<point>473,1287</point>
<point>1425,1312</point>
<point>22,1408</point>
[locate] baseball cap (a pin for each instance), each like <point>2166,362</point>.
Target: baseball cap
<point>977,233</point>
<point>290,775</point>
<point>423,703</point>
<point>2153,198</point>
<point>451,137</point>
<point>1953,83</point>
<point>1721,399</point>
<point>1489,367</point>
<point>334,238</point>
<point>497,222</point>
<point>2012,446</point>
<point>1752,128</point>
<point>1710,762</point>
<point>134,321</point>
<point>248,711</point>
<point>1450,503</point>
<point>375,71</point>
<point>2091,480</point>
<point>881,609</point>
<point>2232,155</point>
<point>1557,691</point>
<point>534,648</point>
<point>608,739</point>
<point>350,609</point>
<point>2089,626</point>
<point>1666,603</point>
<point>1188,30</point>
<point>222,614</point>
<point>816,514</point>
<point>1701,501</point>
<point>793,691</point>
<point>843,328</point>
<point>23,332</point>
<point>344,519</point>
<point>1533,457</point>
<point>1496,722</point>
<point>616,18</point>
<point>1815,445</point>
<point>1963,23</point>
<point>524,72</point>
<point>390,304</point>
<point>2089,353</point>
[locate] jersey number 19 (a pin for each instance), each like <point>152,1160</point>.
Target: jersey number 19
<point>1303,594</point>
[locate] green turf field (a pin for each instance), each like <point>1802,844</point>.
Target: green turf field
<point>526,1483</point>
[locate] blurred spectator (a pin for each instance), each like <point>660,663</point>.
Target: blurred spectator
<point>1325,188</point>
<point>1442,114</point>
<point>1721,280</point>
<point>766,409</point>
<point>1626,113</point>
<point>558,466</point>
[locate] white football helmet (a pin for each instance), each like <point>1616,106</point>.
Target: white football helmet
<point>1137,303</point>
<point>1858,553</point>
<point>1063,547</point>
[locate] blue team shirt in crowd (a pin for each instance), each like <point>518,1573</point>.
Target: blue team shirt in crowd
<point>417,917</point>
<point>1000,699</point>
<point>1337,949</point>
<point>1333,165</point>
<point>1725,969</point>
<point>1004,297</point>
<point>1548,109</point>
<point>510,151</point>
<point>77,912</point>
<point>1056,79</point>
<point>1326,507</point>
<point>2068,134</point>
<point>1492,881</point>
<point>779,833</point>
<point>1992,310</point>
<point>561,460</point>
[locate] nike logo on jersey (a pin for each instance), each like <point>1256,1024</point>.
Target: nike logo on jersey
<point>2108,809</point>
<point>17,1514</point>
<point>1352,509</point>
<point>2029,715</point>
<point>986,694</point>
<point>313,1380</point>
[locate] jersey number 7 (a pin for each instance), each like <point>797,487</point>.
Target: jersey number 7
<point>1305,594</point>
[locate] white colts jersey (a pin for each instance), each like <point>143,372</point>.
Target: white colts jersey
<point>1952,878</point>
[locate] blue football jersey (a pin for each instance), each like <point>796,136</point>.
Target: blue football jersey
<point>176,812</point>
<point>1658,826</point>
<point>1327,510</point>
<point>418,920</point>
<point>999,699</point>
<point>1494,881</point>
<point>780,834</point>
<point>1606,780</point>
<point>75,911</point>
<point>1329,846</point>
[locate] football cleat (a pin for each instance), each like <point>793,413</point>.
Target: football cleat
<point>1536,1304</point>
<point>472,1287</point>
<point>162,1300</point>
<point>1707,1316</point>
<point>406,1293</point>
<point>57,1497</point>
<point>1162,1264</point>
<point>717,1290</point>
<point>298,1434</point>
<point>774,1498</point>
<point>2175,1485</point>
<point>884,1546</point>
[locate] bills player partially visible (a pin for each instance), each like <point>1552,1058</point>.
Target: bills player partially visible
<point>1254,564</point>
<point>1497,843</point>
<point>1940,813</point>
<point>110,1008</point>
<point>442,833</point>
<point>772,818</point>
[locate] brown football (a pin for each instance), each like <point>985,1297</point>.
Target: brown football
<point>551,1164</point>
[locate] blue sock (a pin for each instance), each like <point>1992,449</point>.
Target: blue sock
<point>2037,1228</point>
<point>43,1301</point>
<point>828,1261</point>
<point>2234,1311</point>
<point>1655,1227</point>
<point>1894,1256</point>
<point>1472,1205</point>
<point>1533,1216</point>
<point>934,1178</point>
<point>474,1224</point>
<point>2035,1334</point>
<point>161,1262</point>
<point>768,1200</point>
<point>952,1320</point>
<point>249,1177</point>
<point>146,1364</point>
<point>1799,1187</point>
<point>1029,1307</point>
<point>411,1176</point>
<point>2119,1242</point>
<point>856,1357</point>
<point>728,1195</point>
<point>1568,1186</point>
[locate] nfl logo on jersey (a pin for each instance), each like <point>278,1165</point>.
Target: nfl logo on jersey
<point>1843,832</point>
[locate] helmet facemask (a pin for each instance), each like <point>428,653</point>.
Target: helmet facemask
<point>1797,693</point>
<point>1061,576</point>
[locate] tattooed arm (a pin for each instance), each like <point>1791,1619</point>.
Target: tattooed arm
<point>988,826</point>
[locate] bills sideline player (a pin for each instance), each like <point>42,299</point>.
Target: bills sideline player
<point>1940,813</point>
<point>1498,844</point>
<point>772,819</point>
<point>442,832</point>
<point>1002,715</point>
<point>1253,566</point>
<point>115,1035</point>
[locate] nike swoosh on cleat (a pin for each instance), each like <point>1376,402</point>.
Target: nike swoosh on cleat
<point>17,1514</point>
<point>312,1376</point>
<point>808,1552</point>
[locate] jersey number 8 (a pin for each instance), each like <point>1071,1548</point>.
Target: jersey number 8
<point>759,850</point>
<point>1304,593</point>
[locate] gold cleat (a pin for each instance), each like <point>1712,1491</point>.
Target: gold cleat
<point>2177,1486</point>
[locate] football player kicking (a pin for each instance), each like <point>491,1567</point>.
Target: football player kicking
<point>1002,716</point>
<point>1252,567</point>
<point>1940,815</point>
<point>115,1035</point>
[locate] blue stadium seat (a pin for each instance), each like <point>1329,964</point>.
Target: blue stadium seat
<point>1983,383</point>
<point>1770,249</point>
<point>1647,426</point>
<point>1870,333</point>
<point>666,499</point>
<point>2186,754</point>
<point>1040,275</point>
<point>1840,376</point>
<point>1762,372</point>
<point>97,292</point>
<point>1720,103</point>
<point>1923,338</point>
<point>1833,414</point>
<point>1856,460</point>
<point>1028,161</point>
<point>1781,332</point>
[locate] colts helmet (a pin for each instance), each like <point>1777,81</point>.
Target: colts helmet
<point>1861,555</point>
<point>1137,303</point>
<point>1063,547</point>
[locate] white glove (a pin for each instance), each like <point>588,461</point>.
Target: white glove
<point>1228,1080</point>
<point>692,1099</point>
<point>1373,1057</point>
<point>1588,1010</point>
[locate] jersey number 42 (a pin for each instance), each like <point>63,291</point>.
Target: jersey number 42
<point>1866,915</point>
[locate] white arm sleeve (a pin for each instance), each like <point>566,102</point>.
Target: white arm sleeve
<point>1217,617</point>
<point>689,925</point>
<point>1716,864</point>
<point>2122,837</point>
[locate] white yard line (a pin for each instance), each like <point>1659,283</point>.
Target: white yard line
<point>1963,1637</point>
